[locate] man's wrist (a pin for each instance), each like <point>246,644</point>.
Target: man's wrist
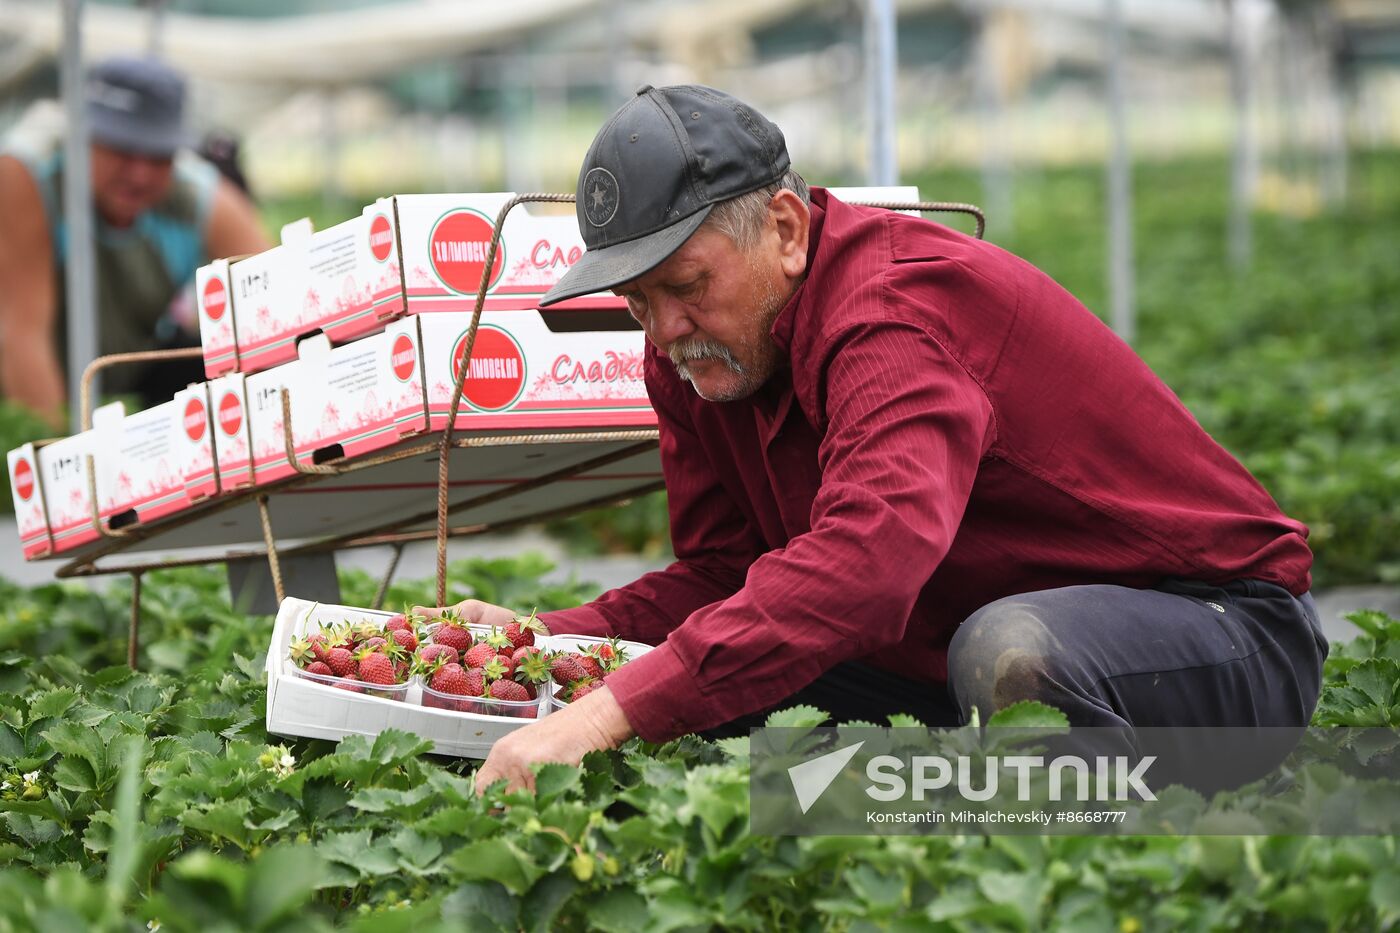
<point>604,719</point>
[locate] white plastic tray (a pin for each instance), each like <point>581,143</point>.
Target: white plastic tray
<point>300,707</point>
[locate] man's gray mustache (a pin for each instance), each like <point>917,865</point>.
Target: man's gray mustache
<point>682,352</point>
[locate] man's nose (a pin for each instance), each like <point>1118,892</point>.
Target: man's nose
<point>669,322</point>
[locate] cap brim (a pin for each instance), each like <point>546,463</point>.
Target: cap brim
<point>600,269</point>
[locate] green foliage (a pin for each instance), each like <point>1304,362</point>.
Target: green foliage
<point>514,582</point>
<point>636,526</point>
<point>159,796</point>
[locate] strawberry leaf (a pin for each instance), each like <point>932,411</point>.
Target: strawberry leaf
<point>1029,714</point>
<point>279,882</point>
<point>796,717</point>
<point>499,860</point>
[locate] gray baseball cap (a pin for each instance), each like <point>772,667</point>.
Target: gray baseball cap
<point>136,105</point>
<point>654,172</point>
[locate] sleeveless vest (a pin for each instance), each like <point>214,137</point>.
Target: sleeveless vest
<point>140,269</point>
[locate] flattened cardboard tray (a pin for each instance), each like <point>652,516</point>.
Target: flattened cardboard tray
<point>367,500</point>
<point>298,707</point>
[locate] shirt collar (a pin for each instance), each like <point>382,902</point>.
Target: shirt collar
<point>786,321</point>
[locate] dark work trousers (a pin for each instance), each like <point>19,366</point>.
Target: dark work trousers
<point>1245,653</point>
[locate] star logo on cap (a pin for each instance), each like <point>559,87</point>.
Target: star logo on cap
<point>600,196</point>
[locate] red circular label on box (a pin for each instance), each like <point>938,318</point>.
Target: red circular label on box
<point>496,373</point>
<point>24,479</point>
<point>230,414</point>
<point>195,419</point>
<point>457,248</point>
<point>381,237</point>
<point>403,357</point>
<point>215,298</point>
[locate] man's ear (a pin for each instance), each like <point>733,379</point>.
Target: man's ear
<point>792,219</point>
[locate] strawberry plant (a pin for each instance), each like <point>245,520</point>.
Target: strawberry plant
<point>158,797</point>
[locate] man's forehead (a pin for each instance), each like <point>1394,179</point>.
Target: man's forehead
<point>699,253</point>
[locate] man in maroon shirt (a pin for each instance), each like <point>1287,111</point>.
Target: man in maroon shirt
<point>906,471</point>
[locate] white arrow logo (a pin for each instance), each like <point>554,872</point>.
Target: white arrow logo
<point>811,778</point>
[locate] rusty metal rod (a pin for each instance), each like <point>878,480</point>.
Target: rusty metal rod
<point>459,383</point>
<point>118,359</point>
<point>955,207</point>
<point>383,590</point>
<point>134,627</point>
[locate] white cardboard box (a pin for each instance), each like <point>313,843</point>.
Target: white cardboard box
<point>522,374</point>
<point>444,239</point>
<point>878,193</point>
<point>140,474</point>
<point>195,442</point>
<point>297,706</point>
<point>405,254</point>
<point>342,282</point>
<point>363,397</point>
<point>67,499</point>
<point>146,465</point>
<point>228,406</point>
<point>216,334</point>
<point>268,291</point>
<point>26,486</point>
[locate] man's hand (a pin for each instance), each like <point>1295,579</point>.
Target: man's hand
<point>472,610</point>
<point>592,722</point>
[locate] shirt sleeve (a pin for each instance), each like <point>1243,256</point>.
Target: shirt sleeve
<point>906,428</point>
<point>713,542</point>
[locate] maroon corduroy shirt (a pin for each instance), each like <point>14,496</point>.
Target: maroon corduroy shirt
<point>953,427</point>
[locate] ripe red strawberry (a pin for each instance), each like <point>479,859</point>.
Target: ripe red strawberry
<point>589,664</point>
<point>507,662</point>
<point>453,679</point>
<point>582,689</point>
<point>376,668</point>
<point>431,652</point>
<point>373,643</point>
<point>478,655</point>
<point>406,639</point>
<point>509,690</point>
<point>610,654</point>
<point>397,623</point>
<point>453,636</point>
<point>326,641</point>
<point>525,651</point>
<point>565,669</point>
<point>522,632</point>
<point>320,668</point>
<point>320,647</point>
<point>340,661</point>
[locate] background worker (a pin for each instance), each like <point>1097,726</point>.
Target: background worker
<point>159,213</point>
